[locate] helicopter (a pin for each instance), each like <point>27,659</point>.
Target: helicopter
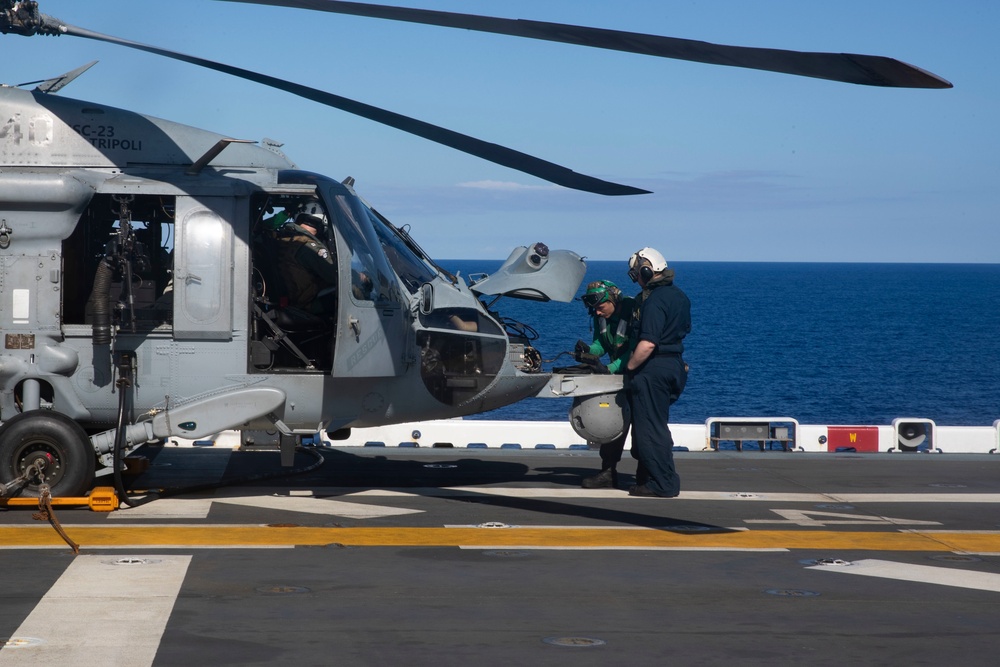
<point>144,286</point>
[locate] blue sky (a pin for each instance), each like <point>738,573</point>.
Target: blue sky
<point>744,165</point>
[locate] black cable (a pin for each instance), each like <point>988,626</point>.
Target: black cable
<point>116,456</point>
<point>564,353</point>
<point>519,329</point>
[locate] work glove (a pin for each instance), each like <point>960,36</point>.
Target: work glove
<point>580,350</point>
<point>594,362</point>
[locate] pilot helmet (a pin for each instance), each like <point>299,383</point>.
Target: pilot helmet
<point>314,208</point>
<point>313,214</point>
<point>600,291</point>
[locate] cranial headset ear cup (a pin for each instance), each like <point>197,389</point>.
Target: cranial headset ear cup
<point>646,273</point>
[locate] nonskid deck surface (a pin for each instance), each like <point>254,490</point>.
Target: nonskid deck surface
<point>450,556</point>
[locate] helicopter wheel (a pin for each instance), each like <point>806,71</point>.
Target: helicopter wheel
<point>56,439</point>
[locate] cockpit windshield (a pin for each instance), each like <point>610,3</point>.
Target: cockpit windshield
<point>408,265</point>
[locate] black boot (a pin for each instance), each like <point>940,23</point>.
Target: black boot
<point>606,479</point>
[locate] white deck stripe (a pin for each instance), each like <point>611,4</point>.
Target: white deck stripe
<point>166,508</point>
<point>318,506</point>
<point>199,508</point>
<point>100,613</point>
<point>982,581</point>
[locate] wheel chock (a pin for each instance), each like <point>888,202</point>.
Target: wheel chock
<point>103,499</point>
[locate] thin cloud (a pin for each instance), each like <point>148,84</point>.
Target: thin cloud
<point>506,186</point>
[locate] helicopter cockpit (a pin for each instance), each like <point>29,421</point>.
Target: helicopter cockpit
<point>314,256</point>
<point>386,283</point>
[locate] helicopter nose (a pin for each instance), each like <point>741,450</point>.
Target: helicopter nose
<point>512,388</point>
<point>473,372</point>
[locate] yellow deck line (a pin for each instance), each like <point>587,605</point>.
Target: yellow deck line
<point>228,536</point>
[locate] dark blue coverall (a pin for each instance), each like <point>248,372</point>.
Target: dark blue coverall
<point>664,318</point>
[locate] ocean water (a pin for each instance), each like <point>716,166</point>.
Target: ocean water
<point>822,343</point>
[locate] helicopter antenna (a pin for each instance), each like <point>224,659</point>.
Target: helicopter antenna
<point>211,154</point>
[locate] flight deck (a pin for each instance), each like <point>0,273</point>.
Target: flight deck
<point>437,556</point>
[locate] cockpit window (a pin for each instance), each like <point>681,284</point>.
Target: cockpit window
<point>369,273</point>
<point>412,270</point>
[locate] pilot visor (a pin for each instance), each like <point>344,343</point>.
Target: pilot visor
<point>594,299</point>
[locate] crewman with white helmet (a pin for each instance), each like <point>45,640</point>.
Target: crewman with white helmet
<point>656,373</point>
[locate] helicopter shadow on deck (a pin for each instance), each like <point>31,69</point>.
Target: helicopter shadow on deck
<point>470,471</point>
<point>199,469</point>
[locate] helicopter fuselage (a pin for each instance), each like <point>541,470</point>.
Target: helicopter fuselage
<point>147,257</point>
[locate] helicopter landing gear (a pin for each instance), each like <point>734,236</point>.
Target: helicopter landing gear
<point>51,442</point>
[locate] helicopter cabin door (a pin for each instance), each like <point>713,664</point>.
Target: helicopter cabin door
<point>203,269</point>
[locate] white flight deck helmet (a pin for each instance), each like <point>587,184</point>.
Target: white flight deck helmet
<point>654,263</point>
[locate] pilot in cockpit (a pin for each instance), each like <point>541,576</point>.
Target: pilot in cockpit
<point>307,265</point>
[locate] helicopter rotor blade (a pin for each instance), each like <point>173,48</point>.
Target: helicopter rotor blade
<point>845,67</point>
<point>491,152</point>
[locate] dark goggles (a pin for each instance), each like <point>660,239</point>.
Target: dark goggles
<point>594,299</point>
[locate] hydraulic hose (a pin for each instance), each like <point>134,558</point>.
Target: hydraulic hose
<point>99,302</point>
